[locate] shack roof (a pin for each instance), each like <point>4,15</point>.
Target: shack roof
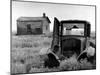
<point>33,19</point>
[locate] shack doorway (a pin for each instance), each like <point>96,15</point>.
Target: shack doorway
<point>29,29</point>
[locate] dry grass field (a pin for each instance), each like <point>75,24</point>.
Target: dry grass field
<point>26,56</point>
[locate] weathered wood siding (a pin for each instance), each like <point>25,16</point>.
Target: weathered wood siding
<point>42,24</point>
<point>46,28</point>
<point>22,26</point>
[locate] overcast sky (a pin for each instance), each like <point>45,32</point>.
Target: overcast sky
<point>61,11</point>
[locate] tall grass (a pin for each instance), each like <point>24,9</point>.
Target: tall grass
<point>26,58</point>
<point>25,52</point>
<point>72,64</point>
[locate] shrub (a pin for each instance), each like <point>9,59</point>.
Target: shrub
<point>43,70</point>
<point>18,68</point>
<point>36,44</point>
<point>73,64</point>
<point>46,43</point>
<point>26,45</point>
<point>84,65</point>
<point>69,64</point>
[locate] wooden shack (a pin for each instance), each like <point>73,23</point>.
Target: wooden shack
<point>33,25</point>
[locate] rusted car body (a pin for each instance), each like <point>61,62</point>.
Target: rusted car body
<point>69,43</point>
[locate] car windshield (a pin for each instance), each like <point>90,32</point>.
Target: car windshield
<point>73,29</point>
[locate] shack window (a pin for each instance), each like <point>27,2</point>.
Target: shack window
<point>46,27</point>
<point>38,30</point>
<point>29,30</point>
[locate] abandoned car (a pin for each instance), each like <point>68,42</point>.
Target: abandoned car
<point>67,37</point>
